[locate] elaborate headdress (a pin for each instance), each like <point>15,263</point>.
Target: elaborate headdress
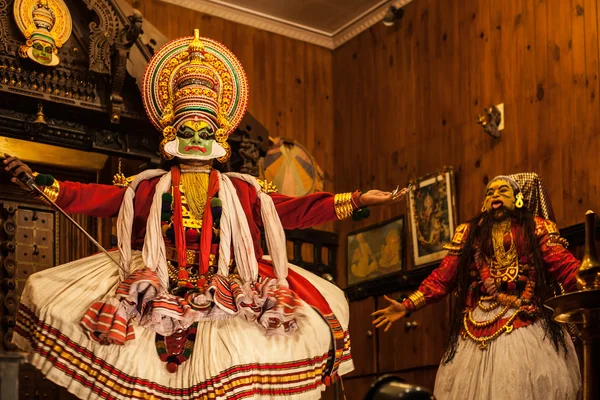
<point>195,79</point>
<point>535,194</point>
<point>46,24</point>
<point>532,191</point>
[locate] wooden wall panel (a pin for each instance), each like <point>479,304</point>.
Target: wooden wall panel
<point>407,97</point>
<point>414,342</point>
<point>290,81</point>
<point>364,346</point>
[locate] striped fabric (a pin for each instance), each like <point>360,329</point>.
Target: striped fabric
<point>65,334</point>
<point>104,380</point>
<point>105,325</point>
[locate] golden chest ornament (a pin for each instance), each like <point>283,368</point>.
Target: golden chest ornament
<point>504,266</point>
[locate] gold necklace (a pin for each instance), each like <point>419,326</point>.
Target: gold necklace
<point>195,168</point>
<point>505,264</point>
<point>194,194</point>
<point>503,257</point>
<point>485,340</point>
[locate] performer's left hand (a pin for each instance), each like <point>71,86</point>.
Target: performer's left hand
<point>379,197</point>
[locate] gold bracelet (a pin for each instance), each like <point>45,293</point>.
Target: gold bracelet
<point>343,205</point>
<point>418,299</point>
<point>52,191</point>
<point>556,240</point>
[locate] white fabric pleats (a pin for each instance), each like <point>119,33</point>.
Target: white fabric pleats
<point>60,296</point>
<point>233,219</point>
<point>274,233</point>
<point>521,365</point>
<point>125,220</point>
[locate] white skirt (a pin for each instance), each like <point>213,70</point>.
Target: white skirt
<point>231,359</point>
<point>521,365</point>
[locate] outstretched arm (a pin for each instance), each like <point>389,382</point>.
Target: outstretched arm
<point>319,208</point>
<point>75,198</point>
<point>434,288</point>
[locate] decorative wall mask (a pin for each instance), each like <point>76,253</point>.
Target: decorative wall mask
<point>46,24</point>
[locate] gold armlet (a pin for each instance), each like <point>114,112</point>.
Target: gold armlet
<point>418,299</point>
<point>551,227</point>
<point>343,205</point>
<point>453,249</point>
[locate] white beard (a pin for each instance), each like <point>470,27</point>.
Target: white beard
<point>172,148</point>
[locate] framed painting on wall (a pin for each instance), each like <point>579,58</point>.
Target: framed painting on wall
<point>432,211</point>
<point>376,251</point>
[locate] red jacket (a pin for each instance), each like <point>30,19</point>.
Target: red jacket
<point>104,201</point>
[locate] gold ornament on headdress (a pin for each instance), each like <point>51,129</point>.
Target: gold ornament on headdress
<point>221,137</point>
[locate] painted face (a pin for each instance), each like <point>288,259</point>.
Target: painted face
<point>41,51</point>
<point>195,138</point>
<point>428,202</point>
<point>392,237</point>
<point>499,193</point>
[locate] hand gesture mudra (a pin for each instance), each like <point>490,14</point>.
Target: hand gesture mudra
<point>387,316</point>
<point>378,197</point>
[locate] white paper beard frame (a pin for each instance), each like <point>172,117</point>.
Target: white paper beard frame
<point>172,148</point>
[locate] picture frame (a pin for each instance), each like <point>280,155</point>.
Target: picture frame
<point>376,252</point>
<point>432,211</point>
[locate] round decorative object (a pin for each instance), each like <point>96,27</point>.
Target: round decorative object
<point>292,169</point>
<point>46,24</point>
<point>161,78</point>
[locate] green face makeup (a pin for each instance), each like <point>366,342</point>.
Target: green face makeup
<point>42,52</point>
<point>195,138</point>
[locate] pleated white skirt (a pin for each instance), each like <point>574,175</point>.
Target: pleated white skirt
<point>232,359</point>
<point>522,365</point>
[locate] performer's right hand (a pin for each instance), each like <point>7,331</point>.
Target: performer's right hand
<point>387,316</point>
<point>16,167</point>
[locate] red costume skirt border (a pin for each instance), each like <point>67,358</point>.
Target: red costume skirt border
<point>241,381</point>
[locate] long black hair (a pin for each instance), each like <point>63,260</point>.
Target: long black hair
<point>481,227</point>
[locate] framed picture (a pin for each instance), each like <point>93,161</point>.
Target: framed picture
<point>432,211</point>
<point>376,251</point>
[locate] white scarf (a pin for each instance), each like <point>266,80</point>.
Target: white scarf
<point>234,231</point>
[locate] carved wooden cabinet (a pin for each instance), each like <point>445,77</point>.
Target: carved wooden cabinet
<point>28,244</point>
<point>30,237</point>
<point>362,336</point>
<point>8,304</point>
<point>35,241</point>
<point>411,349</point>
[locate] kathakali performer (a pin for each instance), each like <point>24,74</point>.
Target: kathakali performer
<point>193,309</point>
<point>502,265</point>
